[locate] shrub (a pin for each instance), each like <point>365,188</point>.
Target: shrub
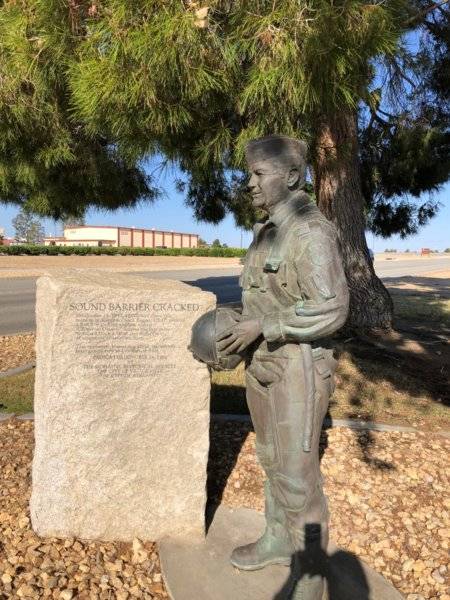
<point>31,249</point>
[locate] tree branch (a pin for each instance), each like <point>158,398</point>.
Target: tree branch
<point>424,12</point>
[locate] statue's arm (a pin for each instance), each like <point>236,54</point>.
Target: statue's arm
<point>323,286</point>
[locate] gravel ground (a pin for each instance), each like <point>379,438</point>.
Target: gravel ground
<point>16,350</point>
<point>387,494</point>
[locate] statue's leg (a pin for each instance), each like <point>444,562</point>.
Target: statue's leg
<point>274,547</point>
<point>297,482</point>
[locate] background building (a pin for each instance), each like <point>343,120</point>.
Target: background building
<point>107,235</point>
<point>4,240</point>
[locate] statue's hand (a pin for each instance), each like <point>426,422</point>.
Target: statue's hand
<point>238,337</point>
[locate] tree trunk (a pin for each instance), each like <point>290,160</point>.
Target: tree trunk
<point>338,189</point>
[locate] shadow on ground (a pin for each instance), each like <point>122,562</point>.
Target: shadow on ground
<point>408,284</point>
<point>342,572</point>
<point>221,463</point>
<point>226,288</point>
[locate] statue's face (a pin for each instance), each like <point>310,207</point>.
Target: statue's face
<point>268,184</point>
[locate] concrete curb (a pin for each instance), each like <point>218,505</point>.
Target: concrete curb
<point>18,370</point>
<point>350,424</point>
<point>328,423</point>
<point>6,416</point>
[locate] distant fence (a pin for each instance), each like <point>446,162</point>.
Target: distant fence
<point>34,250</point>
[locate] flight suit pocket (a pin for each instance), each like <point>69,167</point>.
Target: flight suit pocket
<point>287,280</point>
<point>290,493</point>
<point>265,371</point>
<point>325,379</point>
<point>253,277</point>
<point>290,435</point>
<point>322,368</point>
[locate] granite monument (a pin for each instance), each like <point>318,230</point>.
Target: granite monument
<point>121,408</point>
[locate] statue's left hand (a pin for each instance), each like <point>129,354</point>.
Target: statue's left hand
<point>238,337</point>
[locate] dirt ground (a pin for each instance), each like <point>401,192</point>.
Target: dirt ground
<point>31,266</point>
<point>16,350</point>
<point>422,318</point>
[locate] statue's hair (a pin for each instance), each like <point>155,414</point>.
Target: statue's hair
<point>281,150</point>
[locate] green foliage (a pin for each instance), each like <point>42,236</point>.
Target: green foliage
<point>73,220</point>
<point>91,89</point>
<point>28,228</point>
<point>16,393</point>
<point>406,151</point>
<point>34,250</point>
<point>226,83</point>
<point>49,162</point>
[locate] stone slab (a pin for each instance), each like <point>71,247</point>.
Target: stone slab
<point>121,408</point>
<point>202,571</point>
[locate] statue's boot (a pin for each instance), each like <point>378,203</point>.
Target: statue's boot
<point>274,547</point>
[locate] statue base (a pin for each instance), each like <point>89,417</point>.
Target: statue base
<point>202,571</point>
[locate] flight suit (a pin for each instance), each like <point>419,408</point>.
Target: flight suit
<point>293,281</point>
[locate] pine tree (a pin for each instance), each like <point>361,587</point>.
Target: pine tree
<point>73,221</point>
<point>49,162</point>
<point>194,82</point>
<point>201,88</point>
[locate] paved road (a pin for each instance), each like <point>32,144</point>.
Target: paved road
<point>18,296</point>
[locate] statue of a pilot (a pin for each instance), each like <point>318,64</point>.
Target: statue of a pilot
<point>294,295</point>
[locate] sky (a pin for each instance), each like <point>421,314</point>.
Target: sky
<point>170,213</point>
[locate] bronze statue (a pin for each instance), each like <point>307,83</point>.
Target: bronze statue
<point>294,296</point>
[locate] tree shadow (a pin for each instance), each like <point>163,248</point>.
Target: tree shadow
<point>221,461</point>
<point>342,571</point>
<point>421,317</point>
<point>366,441</point>
<point>226,288</point>
<point>431,285</point>
<point>402,372</point>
